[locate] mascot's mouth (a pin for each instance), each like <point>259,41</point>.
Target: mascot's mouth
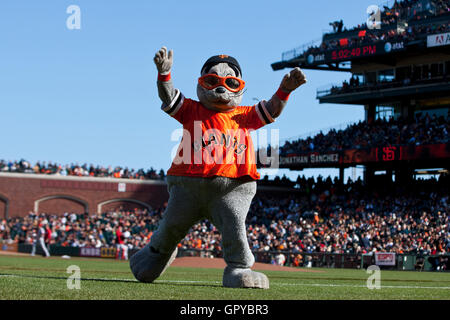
<point>222,100</point>
<point>221,104</point>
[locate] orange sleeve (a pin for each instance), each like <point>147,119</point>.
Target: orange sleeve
<point>178,108</point>
<point>258,116</point>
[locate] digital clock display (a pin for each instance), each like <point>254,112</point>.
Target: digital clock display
<point>343,54</point>
<point>349,53</point>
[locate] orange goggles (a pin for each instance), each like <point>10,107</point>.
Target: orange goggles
<point>212,81</point>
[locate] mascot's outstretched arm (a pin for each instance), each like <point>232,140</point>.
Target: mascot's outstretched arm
<point>290,82</point>
<point>198,191</point>
<point>164,62</point>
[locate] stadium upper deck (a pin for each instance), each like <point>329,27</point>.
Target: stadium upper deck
<point>410,25</point>
<point>402,63</point>
<point>400,69</point>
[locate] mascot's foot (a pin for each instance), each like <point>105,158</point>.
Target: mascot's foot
<point>148,265</point>
<point>244,278</point>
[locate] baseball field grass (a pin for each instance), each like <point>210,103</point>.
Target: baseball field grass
<point>24,277</point>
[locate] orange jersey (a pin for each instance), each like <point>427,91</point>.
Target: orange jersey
<point>215,143</point>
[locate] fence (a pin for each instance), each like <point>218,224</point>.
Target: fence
<point>403,262</point>
<point>337,89</point>
<point>286,258</point>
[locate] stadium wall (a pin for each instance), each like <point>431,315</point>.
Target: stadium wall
<point>22,193</point>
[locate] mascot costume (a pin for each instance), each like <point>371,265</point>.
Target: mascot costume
<point>214,174</point>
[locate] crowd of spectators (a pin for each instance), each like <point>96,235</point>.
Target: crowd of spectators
<point>425,129</point>
<point>84,170</point>
<point>415,76</point>
<point>333,218</point>
<point>322,215</point>
<point>370,37</point>
<point>412,11</point>
<point>406,10</point>
<point>83,230</point>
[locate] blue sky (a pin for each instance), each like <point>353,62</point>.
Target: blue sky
<point>89,95</point>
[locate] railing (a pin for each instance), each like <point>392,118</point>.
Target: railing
<point>327,37</point>
<point>297,52</point>
<point>310,134</point>
<point>331,89</point>
<point>402,16</point>
<point>406,262</point>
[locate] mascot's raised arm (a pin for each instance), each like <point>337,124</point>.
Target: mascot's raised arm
<point>213,175</point>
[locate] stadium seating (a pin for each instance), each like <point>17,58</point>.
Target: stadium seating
<point>424,130</point>
<point>322,216</point>
<point>23,166</point>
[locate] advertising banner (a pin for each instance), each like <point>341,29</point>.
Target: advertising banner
<point>384,259</point>
<point>438,40</point>
<point>312,159</point>
<point>390,153</point>
<point>425,152</point>
<point>370,155</point>
<point>98,252</point>
<point>108,252</point>
<point>359,156</point>
<point>89,252</point>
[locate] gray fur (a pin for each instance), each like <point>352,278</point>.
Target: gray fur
<point>164,61</point>
<point>275,106</point>
<point>147,265</point>
<point>224,201</point>
<point>290,82</point>
<point>166,91</point>
<point>244,278</point>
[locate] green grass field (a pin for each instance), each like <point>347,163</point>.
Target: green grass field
<point>40,278</point>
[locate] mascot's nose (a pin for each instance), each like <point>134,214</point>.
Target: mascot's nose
<point>220,90</point>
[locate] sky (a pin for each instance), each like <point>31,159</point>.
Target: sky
<point>89,95</point>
